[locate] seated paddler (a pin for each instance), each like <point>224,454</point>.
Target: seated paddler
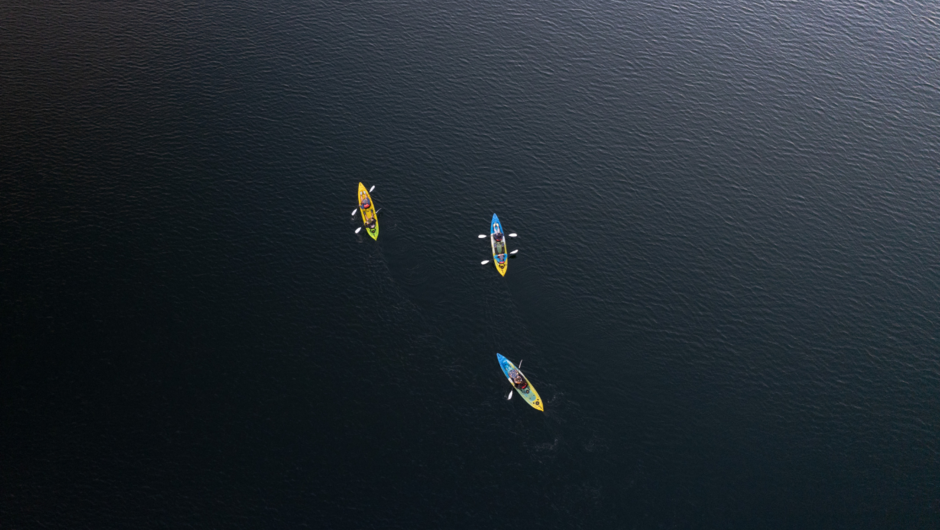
<point>517,379</point>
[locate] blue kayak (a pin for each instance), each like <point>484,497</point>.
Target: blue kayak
<point>527,391</point>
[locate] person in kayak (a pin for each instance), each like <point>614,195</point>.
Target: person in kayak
<point>517,379</point>
<point>365,203</point>
<point>370,220</point>
<point>500,249</point>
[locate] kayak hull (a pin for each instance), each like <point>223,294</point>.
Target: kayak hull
<point>500,259</point>
<point>528,393</point>
<point>368,212</point>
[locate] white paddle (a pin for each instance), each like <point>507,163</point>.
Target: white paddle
<point>372,188</point>
<point>513,235</point>
<point>484,262</point>
<point>481,236</point>
<point>358,229</point>
<point>513,252</point>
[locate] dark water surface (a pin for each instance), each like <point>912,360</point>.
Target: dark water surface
<point>727,293</point>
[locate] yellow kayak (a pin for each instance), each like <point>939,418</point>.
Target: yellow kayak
<point>527,392</point>
<point>367,209</point>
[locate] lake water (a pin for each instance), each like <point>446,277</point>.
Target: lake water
<point>727,290</point>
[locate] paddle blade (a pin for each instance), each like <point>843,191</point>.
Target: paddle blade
<point>358,229</point>
<point>481,236</point>
<point>513,252</point>
<point>484,262</point>
<point>520,364</point>
<point>510,395</point>
<point>513,235</point>
<point>372,188</point>
<point>354,211</point>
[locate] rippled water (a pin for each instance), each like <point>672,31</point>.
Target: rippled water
<point>726,291</point>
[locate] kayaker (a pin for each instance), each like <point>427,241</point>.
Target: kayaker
<point>370,221</point>
<point>365,203</point>
<point>517,379</point>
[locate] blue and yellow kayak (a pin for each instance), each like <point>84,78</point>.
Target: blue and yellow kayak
<point>527,392</point>
<point>367,209</point>
<point>500,253</point>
